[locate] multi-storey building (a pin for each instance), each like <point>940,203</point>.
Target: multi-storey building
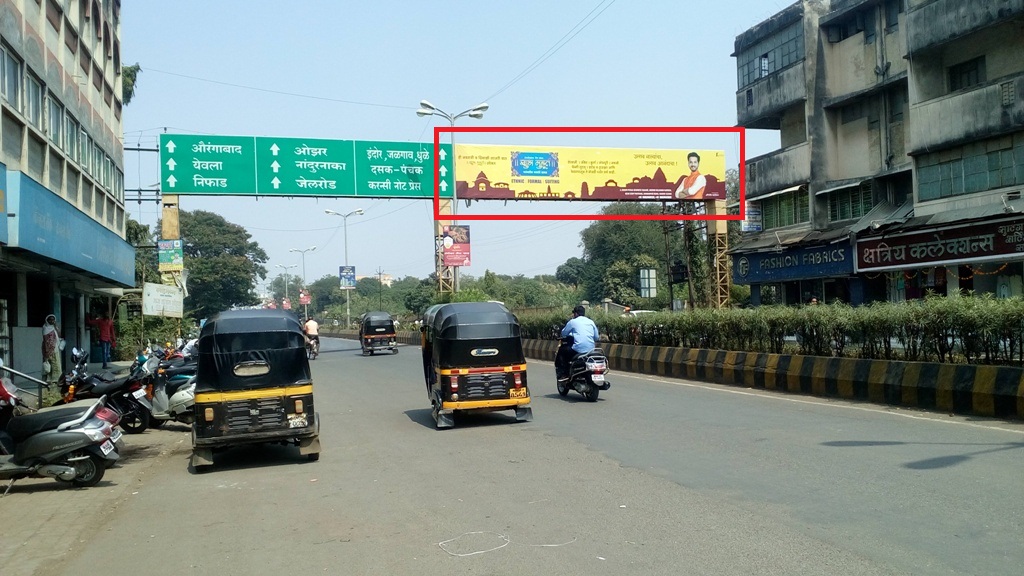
<point>62,237</point>
<point>901,164</point>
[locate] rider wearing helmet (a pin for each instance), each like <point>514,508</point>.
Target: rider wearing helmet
<point>584,335</point>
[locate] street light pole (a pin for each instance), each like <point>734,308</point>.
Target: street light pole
<point>428,109</point>
<point>348,296</point>
<point>286,269</point>
<point>303,251</point>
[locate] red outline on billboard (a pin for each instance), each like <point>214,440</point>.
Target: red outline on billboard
<point>739,130</point>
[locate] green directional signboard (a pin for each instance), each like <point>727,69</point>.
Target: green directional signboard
<point>266,166</point>
<point>304,167</point>
<point>207,164</point>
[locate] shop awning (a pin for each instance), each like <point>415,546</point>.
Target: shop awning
<point>836,186</point>
<point>776,193</point>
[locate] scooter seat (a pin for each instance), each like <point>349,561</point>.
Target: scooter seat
<point>176,384</point>
<point>181,369</point>
<point>21,427</point>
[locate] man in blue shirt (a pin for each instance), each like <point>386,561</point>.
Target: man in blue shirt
<point>584,335</point>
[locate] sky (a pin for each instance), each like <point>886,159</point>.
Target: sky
<point>356,70</point>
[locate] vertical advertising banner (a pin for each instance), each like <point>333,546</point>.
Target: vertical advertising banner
<point>171,256</point>
<point>456,245</point>
<point>347,276</point>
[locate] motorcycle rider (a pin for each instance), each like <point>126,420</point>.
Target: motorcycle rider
<point>584,334</point>
<point>312,330</point>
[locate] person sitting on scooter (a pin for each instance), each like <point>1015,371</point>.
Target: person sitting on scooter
<point>312,330</point>
<point>584,334</point>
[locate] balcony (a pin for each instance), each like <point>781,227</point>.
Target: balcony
<point>984,112</point>
<point>778,170</point>
<point>936,23</point>
<point>770,96</point>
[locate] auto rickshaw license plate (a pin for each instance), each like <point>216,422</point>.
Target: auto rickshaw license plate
<point>298,422</point>
<point>517,393</point>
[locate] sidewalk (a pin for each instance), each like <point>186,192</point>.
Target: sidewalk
<point>117,368</point>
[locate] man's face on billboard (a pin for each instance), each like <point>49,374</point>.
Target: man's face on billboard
<point>693,162</point>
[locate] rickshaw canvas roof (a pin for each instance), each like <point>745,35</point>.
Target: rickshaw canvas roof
<point>256,320</point>
<point>474,320</point>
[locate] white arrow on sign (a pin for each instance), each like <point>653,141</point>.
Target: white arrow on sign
<point>442,154</point>
<point>275,166</point>
<point>171,164</point>
<point>274,149</point>
<point>170,146</point>
<point>442,171</point>
<point>171,180</point>
<point>443,186</point>
<point>275,182</point>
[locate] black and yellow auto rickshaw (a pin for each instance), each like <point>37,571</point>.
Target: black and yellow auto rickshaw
<point>377,333</point>
<point>473,361</point>
<point>253,385</point>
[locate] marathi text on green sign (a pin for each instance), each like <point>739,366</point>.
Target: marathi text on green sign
<point>243,165</point>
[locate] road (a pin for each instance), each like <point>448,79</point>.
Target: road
<point>660,476</point>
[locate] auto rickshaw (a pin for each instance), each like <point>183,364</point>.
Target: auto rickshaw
<point>473,361</point>
<point>377,333</point>
<point>253,385</point>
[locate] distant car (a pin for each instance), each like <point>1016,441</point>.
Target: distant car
<point>634,313</point>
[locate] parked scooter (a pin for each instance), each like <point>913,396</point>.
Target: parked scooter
<point>173,399</point>
<point>126,395</point>
<point>587,375</point>
<point>71,443</point>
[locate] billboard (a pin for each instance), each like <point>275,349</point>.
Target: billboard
<point>347,277</point>
<point>500,172</point>
<point>456,245</point>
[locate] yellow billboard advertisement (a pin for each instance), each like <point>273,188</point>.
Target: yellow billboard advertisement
<point>501,172</point>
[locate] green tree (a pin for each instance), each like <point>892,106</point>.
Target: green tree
<point>223,261</point>
<point>129,75</point>
<point>606,242</point>
<point>146,257</point>
<point>571,272</point>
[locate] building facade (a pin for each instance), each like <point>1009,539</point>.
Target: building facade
<point>61,170</point>
<point>901,164</point>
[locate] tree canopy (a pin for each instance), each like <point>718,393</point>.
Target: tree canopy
<point>223,261</point>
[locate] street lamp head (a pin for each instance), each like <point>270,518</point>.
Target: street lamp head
<point>331,212</point>
<point>478,114</point>
<point>359,211</point>
<point>424,112</point>
<point>427,105</point>
<point>482,107</point>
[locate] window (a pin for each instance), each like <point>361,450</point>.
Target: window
<point>848,203</point>
<point>980,166</point>
<point>34,100</point>
<point>86,159</point>
<point>72,130</point>
<point>55,120</point>
<point>10,77</point>
<point>967,74</point>
<point>771,54</point>
<point>893,9</point>
<point>852,112</point>
<point>786,209</point>
<point>897,104</point>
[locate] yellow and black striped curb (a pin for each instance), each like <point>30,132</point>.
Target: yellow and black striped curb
<point>995,391</point>
<point>960,388</point>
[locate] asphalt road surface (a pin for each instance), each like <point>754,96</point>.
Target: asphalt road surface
<point>660,476</point>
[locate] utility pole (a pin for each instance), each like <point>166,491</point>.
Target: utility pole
<point>380,288</point>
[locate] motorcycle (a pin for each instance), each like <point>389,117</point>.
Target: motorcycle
<point>73,443</point>
<point>587,375</point>
<point>127,395</point>
<point>312,347</point>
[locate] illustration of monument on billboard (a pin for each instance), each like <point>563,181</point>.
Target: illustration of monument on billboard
<point>598,174</point>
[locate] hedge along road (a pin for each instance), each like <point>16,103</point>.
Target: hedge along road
<point>660,476</point>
